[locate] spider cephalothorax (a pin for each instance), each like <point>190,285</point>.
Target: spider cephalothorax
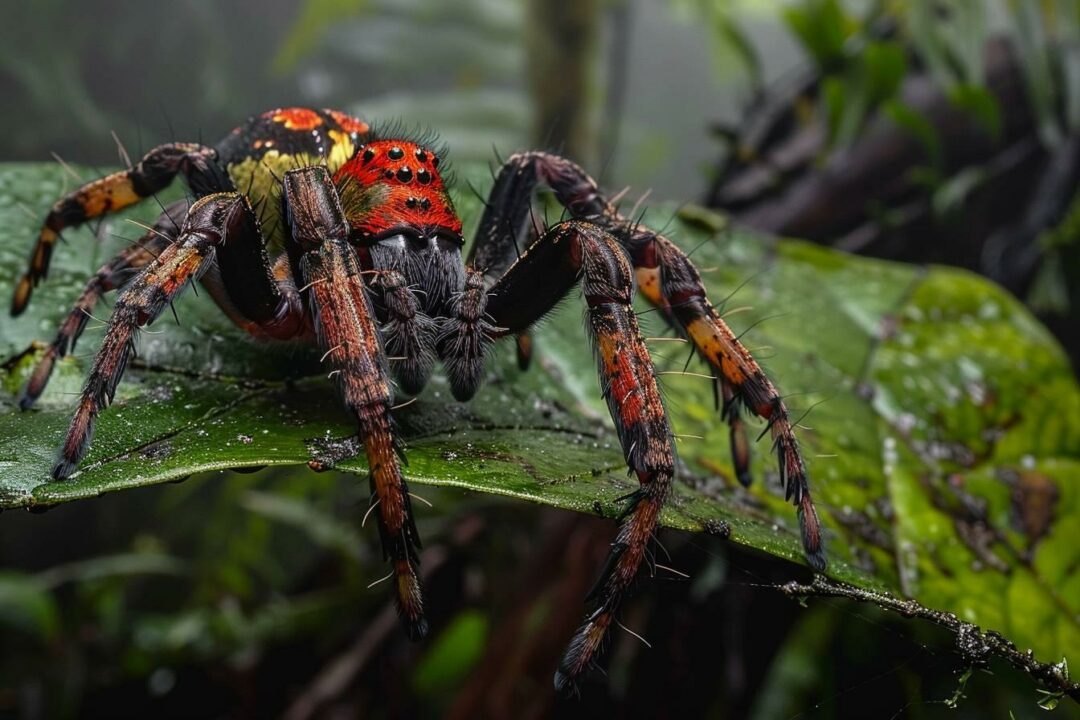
<point>306,224</point>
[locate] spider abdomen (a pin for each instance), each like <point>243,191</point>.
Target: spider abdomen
<point>257,154</point>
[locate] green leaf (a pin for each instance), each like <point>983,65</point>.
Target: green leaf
<point>823,29</point>
<point>27,606</point>
<point>848,107</point>
<point>319,526</point>
<point>943,442</point>
<point>919,127</point>
<point>838,105</point>
<point>885,66</point>
<point>981,104</point>
<point>452,655</point>
<point>869,80</point>
<point>950,195</point>
<point>1040,79</point>
<point>27,603</point>
<point>732,46</point>
<point>925,34</point>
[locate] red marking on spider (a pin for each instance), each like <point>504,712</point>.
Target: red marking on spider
<point>348,123</point>
<point>297,118</point>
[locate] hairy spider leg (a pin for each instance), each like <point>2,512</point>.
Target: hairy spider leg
<point>669,280</point>
<point>157,285</point>
<point>114,192</point>
<point>650,284</point>
<point>258,295</point>
<point>408,333</point>
<point>529,289</point>
<point>506,221</point>
<point>346,331</point>
<point>465,337</point>
<point>505,231</point>
<point>109,277</point>
<point>744,382</point>
<point>730,410</point>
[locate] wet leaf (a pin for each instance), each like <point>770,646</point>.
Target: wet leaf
<point>943,435</point>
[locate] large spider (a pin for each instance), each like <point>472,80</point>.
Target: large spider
<point>307,224</point>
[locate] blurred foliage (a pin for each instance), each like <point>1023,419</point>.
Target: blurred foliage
<point>864,49</point>
<point>862,66</point>
<point>987,90</point>
<point>452,656</point>
<point>456,66</point>
<point>307,32</point>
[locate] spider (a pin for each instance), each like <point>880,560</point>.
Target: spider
<point>308,224</point>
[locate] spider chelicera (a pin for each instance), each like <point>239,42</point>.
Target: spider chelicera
<point>307,224</point>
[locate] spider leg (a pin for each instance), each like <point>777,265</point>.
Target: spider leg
<point>158,283</point>
<point>667,278</point>
<point>109,276</point>
<point>409,334</point>
<point>531,287</point>
<point>505,231</point>
<point>506,222</point>
<point>261,297</point>
<point>504,227</point>
<point>742,381</point>
<point>650,284</point>
<point>465,337</point>
<point>114,192</point>
<point>346,330</point>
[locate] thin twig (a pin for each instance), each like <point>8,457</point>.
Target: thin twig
<point>973,644</point>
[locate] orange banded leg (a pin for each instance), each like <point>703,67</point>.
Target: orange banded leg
<point>115,192</point>
<point>649,285</point>
<point>346,331</point>
<point>109,276</point>
<point>740,442</point>
<point>155,287</point>
<point>742,381</point>
<point>529,289</point>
